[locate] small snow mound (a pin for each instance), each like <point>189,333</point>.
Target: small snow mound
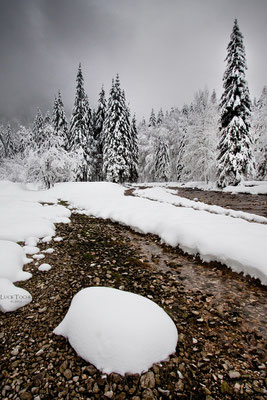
<point>44,267</point>
<point>58,239</point>
<point>12,297</point>
<point>118,331</point>
<point>31,249</point>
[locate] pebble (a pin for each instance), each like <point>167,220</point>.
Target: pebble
<point>68,374</point>
<point>148,380</point>
<point>234,375</point>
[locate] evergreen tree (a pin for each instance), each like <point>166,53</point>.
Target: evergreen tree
<point>152,120</point>
<point>134,151</point>
<point>160,117</point>
<point>38,129</point>
<point>59,121</point>
<point>235,160</point>
<point>99,120</point>
<point>117,155</point>
<point>8,142</point>
<point>162,160</point>
<point>80,134</point>
<point>213,97</point>
<point>47,118</point>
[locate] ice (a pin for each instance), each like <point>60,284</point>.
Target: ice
<point>12,297</point>
<point>118,331</point>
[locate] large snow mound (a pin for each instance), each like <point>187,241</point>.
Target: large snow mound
<point>118,331</point>
<point>12,297</point>
<point>12,259</point>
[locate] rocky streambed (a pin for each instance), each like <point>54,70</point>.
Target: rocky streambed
<point>220,317</point>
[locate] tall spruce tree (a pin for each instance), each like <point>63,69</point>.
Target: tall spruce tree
<point>152,120</point>
<point>99,119</point>
<point>162,160</point>
<point>235,159</point>
<point>59,121</point>
<point>134,151</point>
<point>160,117</point>
<point>80,134</point>
<point>117,146</point>
<point>38,129</point>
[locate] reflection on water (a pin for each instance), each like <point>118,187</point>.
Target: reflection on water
<point>226,291</point>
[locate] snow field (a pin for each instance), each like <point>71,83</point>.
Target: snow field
<point>118,331</point>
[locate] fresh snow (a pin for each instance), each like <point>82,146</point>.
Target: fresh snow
<point>31,249</point>
<point>49,251</point>
<point>12,259</point>
<point>38,256</point>
<point>12,297</point>
<point>250,187</point>
<point>169,196</point>
<point>239,244</point>
<point>44,267</point>
<point>118,331</point>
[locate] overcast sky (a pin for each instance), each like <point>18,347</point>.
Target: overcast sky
<point>164,50</point>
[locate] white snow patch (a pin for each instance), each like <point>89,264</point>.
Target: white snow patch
<point>31,249</point>
<point>58,239</point>
<point>38,256</point>
<point>118,331</point>
<point>49,251</point>
<point>159,194</point>
<point>44,267</point>
<point>31,241</point>
<point>12,297</point>
<point>12,259</point>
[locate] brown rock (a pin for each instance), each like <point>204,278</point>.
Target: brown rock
<point>148,395</point>
<point>68,374</point>
<point>148,380</point>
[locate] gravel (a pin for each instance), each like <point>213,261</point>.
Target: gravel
<point>220,317</point>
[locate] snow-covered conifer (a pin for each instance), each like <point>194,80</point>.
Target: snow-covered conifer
<point>80,134</point>
<point>235,159</point>
<point>134,151</point>
<point>152,119</point>
<point>162,160</point>
<point>160,117</point>
<point>38,129</point>
<point>117,155</point>
<point>59,121</point>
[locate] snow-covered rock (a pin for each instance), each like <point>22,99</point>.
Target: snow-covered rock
<point>44,267</point>
<point>118,331</point>
<point>12,297</point>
